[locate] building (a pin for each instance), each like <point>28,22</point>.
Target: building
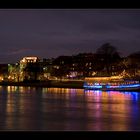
<point>27,68</point>
<point>46,66</point>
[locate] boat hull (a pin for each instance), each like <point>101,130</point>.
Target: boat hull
<point>111,84</point>
<point>118,88</point>
<point>125,89</point>
<point>114,89</point>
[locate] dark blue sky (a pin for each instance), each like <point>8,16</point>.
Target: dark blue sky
<point>50,33</point>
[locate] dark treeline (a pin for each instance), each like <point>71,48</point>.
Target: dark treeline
<point>106,61</point>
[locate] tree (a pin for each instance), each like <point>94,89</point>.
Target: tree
<point>61,66</point>
<point>133,63</point>
<point>107,55</point>
<point>32,71</point>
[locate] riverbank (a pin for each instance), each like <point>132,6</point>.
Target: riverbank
<point>49,83</point>
<point>67,84</point>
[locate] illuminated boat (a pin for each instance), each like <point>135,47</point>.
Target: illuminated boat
<point>116,83</point>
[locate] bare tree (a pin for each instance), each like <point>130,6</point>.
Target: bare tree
<point>107,55</point>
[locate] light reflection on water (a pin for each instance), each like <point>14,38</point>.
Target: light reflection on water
<point>30,108</point>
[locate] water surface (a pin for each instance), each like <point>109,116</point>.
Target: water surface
<point>30,108</point>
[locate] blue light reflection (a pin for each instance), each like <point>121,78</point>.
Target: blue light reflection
<point>124,86</point>
<point>134,95</point>
<point>94,86</point>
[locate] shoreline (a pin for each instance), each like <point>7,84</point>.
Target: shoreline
<point>76,84</point>
<point>47,84</point>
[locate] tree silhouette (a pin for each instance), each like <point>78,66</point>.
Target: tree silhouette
<point>106,56</point>
<point>133,63</point>
<point>32,71</point>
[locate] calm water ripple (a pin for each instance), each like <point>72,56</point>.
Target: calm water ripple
<point>30,108</point>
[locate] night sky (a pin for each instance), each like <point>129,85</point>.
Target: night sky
<point>51,33</point>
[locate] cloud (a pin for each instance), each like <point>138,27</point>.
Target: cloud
<point>15,52</point>
<point>50,33</point>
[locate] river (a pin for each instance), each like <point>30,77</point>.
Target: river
<point>30,108</point>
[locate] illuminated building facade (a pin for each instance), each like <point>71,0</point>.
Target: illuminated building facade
<point>29,59</point>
